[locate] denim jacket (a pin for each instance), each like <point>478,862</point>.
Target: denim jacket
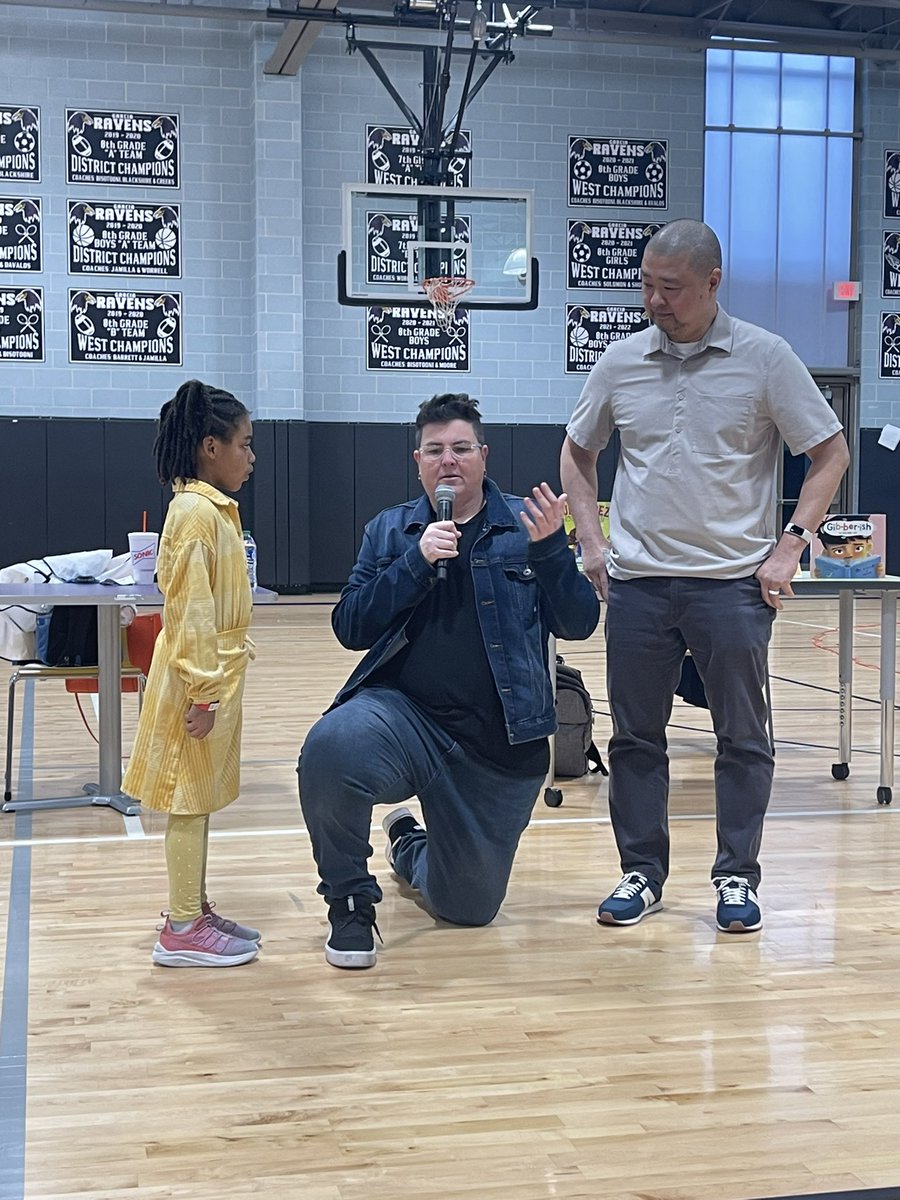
<point>524,592</point>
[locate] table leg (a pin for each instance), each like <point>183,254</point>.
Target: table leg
<point>109,644</point>
<point>841,769</point>
<point>553,796</point>
<point>110,654</point>
<point>109,792</point>
<point>887,692</point>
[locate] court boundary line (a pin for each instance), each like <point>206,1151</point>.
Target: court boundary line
<point>14,1008</point>
<point>880,812</point>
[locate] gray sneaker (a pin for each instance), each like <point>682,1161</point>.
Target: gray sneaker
<point>224,925</point>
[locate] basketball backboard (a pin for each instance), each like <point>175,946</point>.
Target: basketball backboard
<point>396,237</point>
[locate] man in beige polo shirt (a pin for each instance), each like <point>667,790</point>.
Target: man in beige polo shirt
<point>702,403</point>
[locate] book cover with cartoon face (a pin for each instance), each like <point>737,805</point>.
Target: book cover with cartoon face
<point>849,546</point>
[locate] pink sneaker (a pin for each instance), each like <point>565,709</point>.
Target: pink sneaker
<point>201,945</point>
<point>244,932</point>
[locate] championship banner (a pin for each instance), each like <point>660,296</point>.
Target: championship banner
<point>125,327</point>
<point>890,264</point>
<point>392,156</point>
<point>410,339</point>
<point>892,183</point>
<point>589,330</point>
<point>617,172</point>
<point>606,254</point>
<point>127,148</point>
<point>22,325</point>
<point>20,143</point>
<point>889,361</point>
<point>387,236</point>
<point>122,238</point>
<point>20,234</point>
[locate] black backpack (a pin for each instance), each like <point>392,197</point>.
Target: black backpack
<point>690,685</point>
<point>576,754</point>
<point>67,637</point>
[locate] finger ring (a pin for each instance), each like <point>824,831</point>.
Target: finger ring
<point>774,591</point>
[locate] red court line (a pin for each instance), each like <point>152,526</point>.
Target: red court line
<point>817,641</point>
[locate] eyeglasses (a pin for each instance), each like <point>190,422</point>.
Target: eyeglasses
<point>434,453</point>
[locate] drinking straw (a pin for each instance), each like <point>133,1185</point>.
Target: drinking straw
<point>144,526</point>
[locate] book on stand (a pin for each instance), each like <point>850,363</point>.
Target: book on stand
<point>849,546</point>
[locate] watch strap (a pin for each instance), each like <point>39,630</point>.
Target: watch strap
<point>210,707</point>
<point>798,531</point>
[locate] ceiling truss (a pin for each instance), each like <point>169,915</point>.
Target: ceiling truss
<point>867,29</point>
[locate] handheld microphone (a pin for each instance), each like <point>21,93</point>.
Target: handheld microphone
<point>444,497</point>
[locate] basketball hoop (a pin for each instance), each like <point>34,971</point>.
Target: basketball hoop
<point>445,292</point>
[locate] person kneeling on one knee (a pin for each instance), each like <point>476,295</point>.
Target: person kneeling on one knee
<point>455,596</point>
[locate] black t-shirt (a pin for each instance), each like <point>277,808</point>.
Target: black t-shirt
<point>445,670</point>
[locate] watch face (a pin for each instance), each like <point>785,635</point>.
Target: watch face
<point>798,531</point>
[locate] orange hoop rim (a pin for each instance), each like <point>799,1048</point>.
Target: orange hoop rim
<point>447,288</point>
<point>445,292</point>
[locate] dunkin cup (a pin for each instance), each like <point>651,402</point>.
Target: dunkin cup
<point>143,548</point>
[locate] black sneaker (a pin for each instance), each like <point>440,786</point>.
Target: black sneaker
<point>397,824</point>
<point>351,943</point>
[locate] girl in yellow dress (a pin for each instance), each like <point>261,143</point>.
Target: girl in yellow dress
<point>186,757</point>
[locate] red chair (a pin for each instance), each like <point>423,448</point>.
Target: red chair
<point>139,639</point>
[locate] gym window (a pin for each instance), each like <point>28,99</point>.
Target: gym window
<point>778,190</point>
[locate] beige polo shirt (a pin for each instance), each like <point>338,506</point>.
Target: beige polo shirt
<point>694,492</point>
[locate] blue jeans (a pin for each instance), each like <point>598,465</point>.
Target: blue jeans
<point>726,625</point>
<point>379,748</point>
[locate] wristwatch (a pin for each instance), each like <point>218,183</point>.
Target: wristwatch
<point>211,707</point>
<point>800,532</point>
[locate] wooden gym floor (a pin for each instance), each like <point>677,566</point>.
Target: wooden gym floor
<point>542,1058</point>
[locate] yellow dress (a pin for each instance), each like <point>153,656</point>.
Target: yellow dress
<point>201,655</point>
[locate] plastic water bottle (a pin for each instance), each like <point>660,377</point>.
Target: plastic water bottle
<point>250,551</point>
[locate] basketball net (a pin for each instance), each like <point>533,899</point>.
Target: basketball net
<point>445,292</point>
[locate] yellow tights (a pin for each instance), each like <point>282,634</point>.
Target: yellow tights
<point>187,842</point>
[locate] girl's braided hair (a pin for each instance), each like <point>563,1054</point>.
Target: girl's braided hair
<point>197,410</point>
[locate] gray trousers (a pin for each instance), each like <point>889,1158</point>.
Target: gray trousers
<point>726,625</point>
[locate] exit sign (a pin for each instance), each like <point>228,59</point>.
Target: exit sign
<point>846,290</point>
